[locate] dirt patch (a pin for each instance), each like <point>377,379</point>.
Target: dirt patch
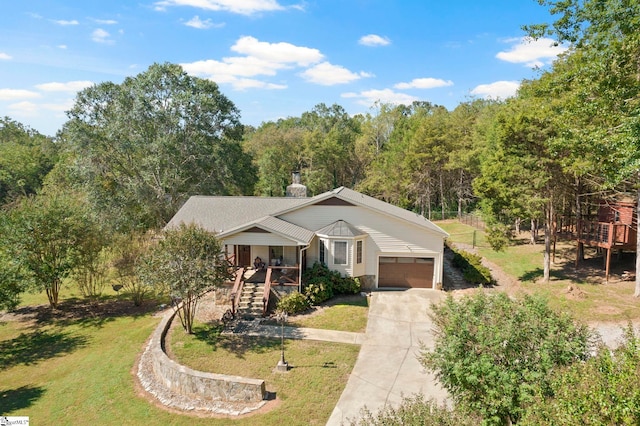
<point>573,292</point>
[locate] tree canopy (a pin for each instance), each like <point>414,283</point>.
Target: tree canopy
<point>26,157</point>
<point>141,148</point>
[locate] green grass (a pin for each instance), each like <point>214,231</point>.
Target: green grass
<point>73,372</point>
<point>343,314</point>
<point>595,299</point>
<point>463,234</point>
<point>307,393</point>
<point>70,370</point>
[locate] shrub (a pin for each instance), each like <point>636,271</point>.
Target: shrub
<point>491,352</point>
<point>293,303</point>
<point>416,410</point>
<point>318,293</point>
<point>605,390</point>
<point>347,285</point>
<point>322,284</point>
<point>472,268</point>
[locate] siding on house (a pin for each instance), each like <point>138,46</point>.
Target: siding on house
<point>387,235</point>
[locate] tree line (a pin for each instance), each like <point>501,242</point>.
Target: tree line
<point>130,154</point>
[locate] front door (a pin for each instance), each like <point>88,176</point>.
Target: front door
<point>244,256</point>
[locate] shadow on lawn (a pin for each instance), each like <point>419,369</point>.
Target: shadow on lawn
<point>590,270</point>
<point>85,312</point>
<point>18,399</point>
<point>234,343</point>
<point>30,348</point>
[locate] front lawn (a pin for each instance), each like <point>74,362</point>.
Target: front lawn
<point>75,367</point>
<point>305,395</point>
<point>343,313</point>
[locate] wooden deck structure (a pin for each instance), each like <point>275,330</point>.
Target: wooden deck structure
<point>614,229</point>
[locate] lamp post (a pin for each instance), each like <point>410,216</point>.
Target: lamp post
<point>282,364</point>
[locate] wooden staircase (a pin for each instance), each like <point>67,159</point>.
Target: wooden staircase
<point>251,304</point>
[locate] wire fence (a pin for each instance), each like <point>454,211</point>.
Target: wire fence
<point>473,220</point>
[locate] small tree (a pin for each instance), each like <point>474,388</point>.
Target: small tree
<point>491,352</point>
<point>11,281</point>
<point>128,261</point>
<point>187,262</point>
<point>93,266</point>
<point>47,239</point>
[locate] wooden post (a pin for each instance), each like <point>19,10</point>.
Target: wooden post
<point>608,264</point>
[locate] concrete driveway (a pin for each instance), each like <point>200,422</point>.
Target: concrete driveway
<point>387,367</point>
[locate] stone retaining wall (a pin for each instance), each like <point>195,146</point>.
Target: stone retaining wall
<point>192,383</point>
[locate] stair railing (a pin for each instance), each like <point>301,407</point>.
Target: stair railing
<point>267,292</point>
<point>237,290</point>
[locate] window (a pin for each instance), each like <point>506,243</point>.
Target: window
<point>358,252</point>
<point>340,253</point>
<point>276,255</point>
<point>322,261</point>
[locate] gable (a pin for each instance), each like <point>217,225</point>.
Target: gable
<point>333,201</point>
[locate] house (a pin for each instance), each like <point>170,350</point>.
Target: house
<point>355,234</point>
<point>614,229</point>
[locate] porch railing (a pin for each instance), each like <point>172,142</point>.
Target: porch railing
<point>236,292</point>
<point>267,292</point>
<point>606,234</point>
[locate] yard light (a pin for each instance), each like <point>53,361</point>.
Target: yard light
<point>282,364</point>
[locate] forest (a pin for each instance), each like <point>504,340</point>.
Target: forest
<point>130,154</point>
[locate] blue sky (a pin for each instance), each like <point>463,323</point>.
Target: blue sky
<point>272,58</point>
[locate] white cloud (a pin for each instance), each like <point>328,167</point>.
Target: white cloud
<point>532,53</point>
<point>242,7</point>
<point>497,90</point>
<point>25,108</point>
<point>370,97</point>
<point>13,94</point>
<point>246,66</point>
<point>328,74</point>
<point>101,36</point>
<point>424,83</point>
<point>198,23</point>
<point>105,21</point>
<point>374,40</point>
<point>4,56</point>
<point>261,58</point>
<point>248,83</point>
<point>62,46</point>
<point>70,86</point>
<point>277,52</point>
<point>66,23</point>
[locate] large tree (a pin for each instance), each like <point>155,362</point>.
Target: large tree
<point>600,77</point>
<point>144,146</point>
<point>521,177</point>
<point>26,157</point>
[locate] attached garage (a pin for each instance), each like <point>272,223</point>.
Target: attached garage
<point>405,272</point>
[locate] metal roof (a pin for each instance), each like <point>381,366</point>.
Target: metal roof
<point>287,229</point>
<point>220,214</point>
<point>384,207</point>
<point>224,214</point>
<point>340,228</point>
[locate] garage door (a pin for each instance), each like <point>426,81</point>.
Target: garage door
<point>407,272</point>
